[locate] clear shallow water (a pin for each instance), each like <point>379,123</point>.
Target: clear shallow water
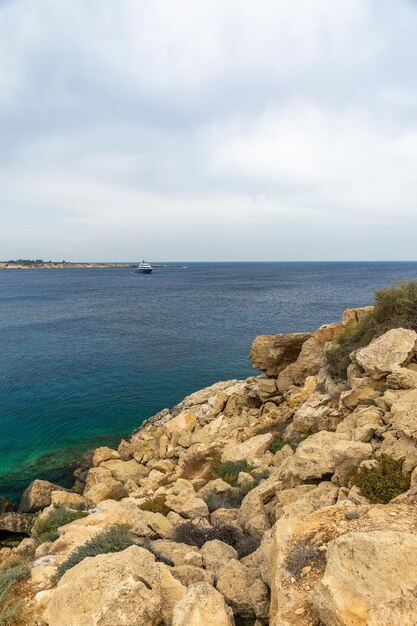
<point>87,355</point>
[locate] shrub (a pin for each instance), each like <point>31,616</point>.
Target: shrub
<point>382,483</point>
<point>47,529</point>
<point>198,534</point>
<point>230,470</point>
<point>277,443</point>
<point>302,554</point>
<point>156,505</point>
<point>115,539</point>
<point>10,613</point>
<point>394,307</point>
<point>226,500</point>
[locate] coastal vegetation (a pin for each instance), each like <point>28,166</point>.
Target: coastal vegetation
<point>46,529</point>
<point>383,480</point>
<point>393,307</point>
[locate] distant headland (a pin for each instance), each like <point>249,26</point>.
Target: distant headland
<point>24,264</point>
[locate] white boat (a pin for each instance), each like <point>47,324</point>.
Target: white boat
<point>143,268</point>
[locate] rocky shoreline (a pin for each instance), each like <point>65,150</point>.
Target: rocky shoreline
<point>286,498</point>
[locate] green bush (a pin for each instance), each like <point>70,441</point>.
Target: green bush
<point>47,529</point>
<point>156,505</point>
<point>230,470</point>
<point>394,307</point>
<point>115,539</point>
<point>10,609</point>
<point>277,443</point>
<point>382,483</point>
<point>10,613</point>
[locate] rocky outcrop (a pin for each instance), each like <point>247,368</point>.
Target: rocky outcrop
<point>37,496</point>
<point>128,587</point>
<point>272,353</point>
<point>370,579</point>
<point>386,353</point>
<point>243,501</point>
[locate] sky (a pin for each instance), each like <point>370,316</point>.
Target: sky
<point>208,130</point>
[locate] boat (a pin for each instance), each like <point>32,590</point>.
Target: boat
<point>143,268</point>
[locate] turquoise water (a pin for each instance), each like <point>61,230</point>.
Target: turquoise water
<point>87,355</point>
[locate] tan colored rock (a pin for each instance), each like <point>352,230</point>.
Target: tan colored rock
<point>233,583</point>
<point>184,421</point>
<point>225,516</point>
<point>187,505</point>
<point>351,317</point>
<point>387,352</point>
<point>217,402</point>
<point>310,358</point>
<point>217,486</point>
<point>126,587</point>
<point>310,417</point>
<point>404,414</point>
<point>370,580</point>
<point>216,555</point>
<point>178,553</point>
<point>403,448</point>
<point>104,454</point>
<point>314,498</point>
<point>13,522</point>
<point>252,516</point>
<point>67,498</point>
<point>312,459</point>
<point>347,455</point>
<point>125,470</point>
<point>358,397</point>
<point>361,425</point>
<point>272,353</point>
<point>190,575</point>
<point>101,485</point>
<point>202,605</point>
<point>402,378</point>
<point>250,449</point>
<point>37,496</point>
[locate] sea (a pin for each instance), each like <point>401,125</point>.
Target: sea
<point>87,354</point>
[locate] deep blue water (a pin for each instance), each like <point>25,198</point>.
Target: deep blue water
<point>87,354</point>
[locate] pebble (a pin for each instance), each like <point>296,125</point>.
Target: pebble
<point>300,611</point>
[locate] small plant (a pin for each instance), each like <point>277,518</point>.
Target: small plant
<point>115,539</point>
<point>277,443</point>
<point>10,575</point>
<point>302,554</point>
<point>384,482</point>
<point>394,307</point>
<point>198,534</point>
<point>230,470</point>
<point>156,505</point>
<point>226,500</point>
<point>47,529</point>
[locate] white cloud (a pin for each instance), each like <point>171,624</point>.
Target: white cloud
<point>175,124</point>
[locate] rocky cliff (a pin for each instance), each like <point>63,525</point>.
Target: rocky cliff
<point>287,498</point>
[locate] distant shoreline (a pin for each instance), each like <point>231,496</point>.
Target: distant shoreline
<point>16,265</point>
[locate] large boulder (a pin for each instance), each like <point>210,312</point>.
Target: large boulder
<point>250,449</point>
<point>202,605</point>
<point>124,588</point>
<point>370,580</point>
<point>313,459</point>
<point>13,522</point>
<point>37,496</point>
<point>309,359</point>
<point>272,353</point>
<point>216,555</point>
<point>404,414</point>
<point>387,352</point>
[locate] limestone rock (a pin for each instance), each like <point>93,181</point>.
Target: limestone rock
<point>314,498</point>
<point>37,496</point>
<point>252,448</point>
<point>125,470</point>
<point>402,378</point>
<point>387,352</point>
<point>233,584</point>
<point>347,455</point>
<point>351,317</point>
<point>217,486</point>
<point>190,575</point>
<point>310,358</point>
<point>202,605</point>
<point>404,414</point>
<point>272,353</point>
<point>252,516</point>
<point>13,522</point>
<point>187,505</point>
<point>101,485</point>
<point>370,580</point>
<point>312,459</point>
<point>104,454</point>
<point>361,425</point>
<point>126,587</point>
<point>216,555</point>
<point>178,553</point>
<point>67,498</point>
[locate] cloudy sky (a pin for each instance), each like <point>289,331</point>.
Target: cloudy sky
<point>208,129</point>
